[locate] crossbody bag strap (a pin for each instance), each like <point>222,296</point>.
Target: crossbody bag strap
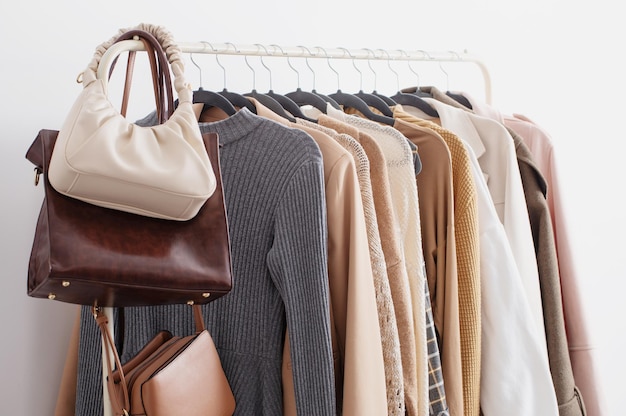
<point>121,405</point>
<point>120,408</point>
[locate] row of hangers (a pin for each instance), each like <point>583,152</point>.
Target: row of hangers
<point>289,105</point>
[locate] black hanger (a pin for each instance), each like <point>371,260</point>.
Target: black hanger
<point>311,98</point>
<point>213,99</point>
<point>237,100</point>
<point>421,93</point>
<point>352,101</point>
<point>413,100</point>
<point>386,99</point>
<point>290,106</point>
<point>375,101</point>
<point>210,98</point>
<point>270,103</point>
<point>307,98</point>
<point>329,100</point>
<point>370,99</point>
<point>459,98</point>
<point>265,99</point>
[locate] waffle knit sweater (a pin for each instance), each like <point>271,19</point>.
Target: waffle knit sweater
<point>274,194</point>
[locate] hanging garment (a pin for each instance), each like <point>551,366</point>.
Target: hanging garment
<point>463,227</point>
<point>386,312</point>
<point>394,257</point>
<point>522,385</point>
<point>437,402</point>
<point>66,398</point>
<point>361,388</point>
<point>583,354</point>
<point>494,149</point>
<point>406,207</point>
<point>568,398</point>
<point>535,190</point>
<point>273,183</point>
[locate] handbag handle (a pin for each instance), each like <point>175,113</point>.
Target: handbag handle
<point>173,55</point>
<point>121,405</point>
<point>157,79</point>
<point>161,74</point>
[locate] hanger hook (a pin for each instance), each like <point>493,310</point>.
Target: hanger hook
<point>215,52</point>
<point>369,63</point>
<point>456,55</point>
<point>245,58</point>
<point>306,60</point>
<point>288,62</point>
<point>199,69</point>
<point>258,45</point>
<point>390,68</point>
<point>329,65</point>
<point>237,51</point>
<point>346,51</point>
<point>446,74</point>
<point>408,62</point>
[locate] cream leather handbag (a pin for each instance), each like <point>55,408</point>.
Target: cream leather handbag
<point>104,159</point>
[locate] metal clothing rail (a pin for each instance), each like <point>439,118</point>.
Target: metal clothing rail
<point>304,52</point>
<point>288,52</point>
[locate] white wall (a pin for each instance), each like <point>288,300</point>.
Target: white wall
<point>561,64</point>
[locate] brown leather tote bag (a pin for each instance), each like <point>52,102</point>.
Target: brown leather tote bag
<point>90,255</point>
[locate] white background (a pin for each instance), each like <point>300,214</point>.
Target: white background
<point>559,63</point>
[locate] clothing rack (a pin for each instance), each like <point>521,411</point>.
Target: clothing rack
<point>315,52</point>
<point>287,52</point>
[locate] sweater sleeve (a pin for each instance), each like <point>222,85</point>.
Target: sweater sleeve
<point>298,264</point>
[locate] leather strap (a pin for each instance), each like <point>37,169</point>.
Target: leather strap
<point>120,409</point>
<point>161,74</point>
<point>121,405</point>
<point>164,73</point>
<point>156,81</point>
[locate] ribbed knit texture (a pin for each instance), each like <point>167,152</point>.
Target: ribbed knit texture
<point>386,312</point>
<point>360,389</point>
<point>468,260</point>
<point>274,193</point>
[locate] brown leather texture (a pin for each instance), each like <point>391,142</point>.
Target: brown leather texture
<point>86,254</point>
<point>170,376</point>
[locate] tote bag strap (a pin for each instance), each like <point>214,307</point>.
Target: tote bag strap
<point>161,74</point>
<point>173,54</point>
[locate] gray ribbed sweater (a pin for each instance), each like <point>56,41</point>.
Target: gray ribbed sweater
<point>274,193</point>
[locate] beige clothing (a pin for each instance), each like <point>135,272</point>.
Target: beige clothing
<point>386,312</point>
<point>394,258</point>
<point>360,379</point>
